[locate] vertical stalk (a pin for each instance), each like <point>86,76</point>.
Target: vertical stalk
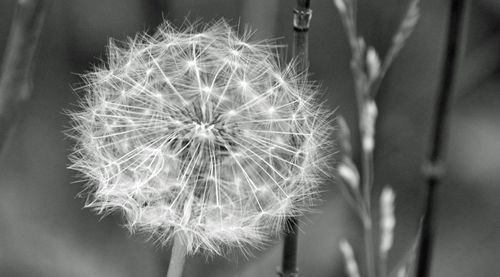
<point>369,245</point>
<point>177,258</point>
<point>367,173</point>
<point>15,81</point>
<point>290,248</point>
<point>433,169</point>
<point>301,20</point>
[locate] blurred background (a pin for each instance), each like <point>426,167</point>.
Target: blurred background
<point>45,232</point>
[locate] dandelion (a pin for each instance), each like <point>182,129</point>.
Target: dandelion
<point>199,135</point>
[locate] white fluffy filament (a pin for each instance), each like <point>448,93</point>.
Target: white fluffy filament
<point>201,134</point>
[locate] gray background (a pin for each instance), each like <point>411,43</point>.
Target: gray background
<point>45,232</point>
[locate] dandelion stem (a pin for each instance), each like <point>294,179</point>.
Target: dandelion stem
<point>433,170</point>
<point>177,258</point>
<point>290,249</point>
<point>15,81</point>
<point>301,19</point>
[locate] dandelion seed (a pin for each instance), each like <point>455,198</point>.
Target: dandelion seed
<point>183,142</point>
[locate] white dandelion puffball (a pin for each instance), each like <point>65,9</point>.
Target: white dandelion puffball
<point>199,134</point>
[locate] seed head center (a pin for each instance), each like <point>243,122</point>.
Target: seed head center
<point>203,130</point>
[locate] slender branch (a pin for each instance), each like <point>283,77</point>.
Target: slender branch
<point>369,246</point>
<point>15,81</point>
<point>367,173</point>
<point>177,258</point>
<point>433,170</point>
<point>301,20</point>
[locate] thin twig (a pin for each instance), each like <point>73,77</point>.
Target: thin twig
<point>433,170</point>
<point>177,258</point>
<point>367,173</point>
<point>15,81</point>
<point>302,16</point>
<point>369,245</point>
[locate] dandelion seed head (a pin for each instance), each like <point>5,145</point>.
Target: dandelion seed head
<point>199,133</point>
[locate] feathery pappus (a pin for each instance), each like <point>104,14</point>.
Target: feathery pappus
<point>199,133</point>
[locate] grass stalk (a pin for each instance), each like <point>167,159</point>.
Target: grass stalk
<point>16,70</point>
<point>301,19</point>
<point>368,70</point>
<point>433,169</point>
<point>367,173</point>
<point>177,258</point>
<point>369,246</point>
